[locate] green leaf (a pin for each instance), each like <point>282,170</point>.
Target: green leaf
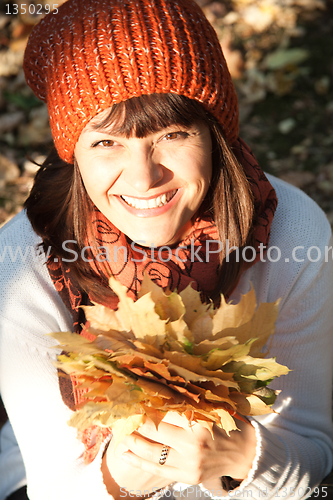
<point>285,57</point>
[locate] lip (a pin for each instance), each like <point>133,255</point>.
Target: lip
<point>150,212</point>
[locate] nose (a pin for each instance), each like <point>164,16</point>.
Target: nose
<point>145,171</point>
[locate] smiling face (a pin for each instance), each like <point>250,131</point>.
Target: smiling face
<point>149,187</point>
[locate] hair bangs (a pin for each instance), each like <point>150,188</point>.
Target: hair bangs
<point>147,114</point>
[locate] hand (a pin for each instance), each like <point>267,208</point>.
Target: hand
<point>126,477</point>
<point>194,456</point>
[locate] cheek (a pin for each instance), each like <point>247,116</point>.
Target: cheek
<point>207,173</point>
<point>204,174</point>
<point>96,177</point>
<point>195,166</point>
<point>202,162</point>
<point>90,182</point>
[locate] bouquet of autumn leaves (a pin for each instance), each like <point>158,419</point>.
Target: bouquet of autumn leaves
<point>171,352</point>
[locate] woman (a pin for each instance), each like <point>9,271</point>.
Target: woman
<point>147,169</point>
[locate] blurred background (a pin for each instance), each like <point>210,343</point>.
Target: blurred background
<point>280,55</point>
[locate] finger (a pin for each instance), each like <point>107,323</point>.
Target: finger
<point>149,450</point>
<point>181,421</point>
<point>178,420</point>
<point>168,434</point>
<point>174,418</point>
<point>178,438</point>
<point>119,448</point>
<point>166,471</point>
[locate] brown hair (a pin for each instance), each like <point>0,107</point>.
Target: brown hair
<point>58,203</point>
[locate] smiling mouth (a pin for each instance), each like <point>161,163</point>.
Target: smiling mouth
<point>157,202</point>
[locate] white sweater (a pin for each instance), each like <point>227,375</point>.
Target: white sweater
<point>295,445</point>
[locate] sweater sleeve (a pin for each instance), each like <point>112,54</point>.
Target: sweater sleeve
<point>12,472</point>
<point>30,309</point>
<point>294,445</point>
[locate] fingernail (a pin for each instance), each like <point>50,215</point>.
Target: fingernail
<point>127,457</point>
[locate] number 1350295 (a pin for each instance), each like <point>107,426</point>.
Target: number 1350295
<point>31,8</point>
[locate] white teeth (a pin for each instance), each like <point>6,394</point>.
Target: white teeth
<point>140,204</point>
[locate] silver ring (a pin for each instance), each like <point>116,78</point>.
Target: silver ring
<point>164,455</point>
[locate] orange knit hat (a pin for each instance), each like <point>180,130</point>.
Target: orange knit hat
<point>92,54</point>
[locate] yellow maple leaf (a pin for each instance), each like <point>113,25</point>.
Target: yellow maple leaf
<point>234,315</point>
<point>125,426</point>
<point>194,307</point>
<point>102,318</point>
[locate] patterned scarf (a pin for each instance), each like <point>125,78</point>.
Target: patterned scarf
<point>172,268</point>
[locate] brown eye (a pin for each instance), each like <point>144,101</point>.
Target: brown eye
<point>106,143</point>
<point>172,135</point>
<point>175,135</point>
